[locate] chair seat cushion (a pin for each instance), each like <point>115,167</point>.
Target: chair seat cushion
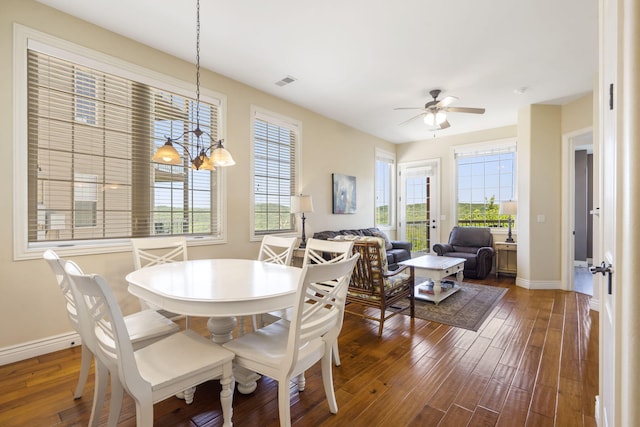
<point>148,324</point>
<point>470,259</point>
<point>177,355</point>
<point>389,284</point>
<point>271,343</point>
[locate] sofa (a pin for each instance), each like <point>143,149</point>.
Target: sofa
<point>396,250</point>
<point>475,245</point>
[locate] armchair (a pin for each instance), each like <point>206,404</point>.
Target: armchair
<point>374,285</point>
<point>475,245</point>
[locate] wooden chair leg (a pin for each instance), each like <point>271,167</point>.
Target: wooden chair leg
<point>381,322</point>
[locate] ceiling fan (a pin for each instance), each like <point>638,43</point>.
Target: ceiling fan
<point>435,112</point>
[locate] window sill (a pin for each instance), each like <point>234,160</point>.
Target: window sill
<point>96,248</point>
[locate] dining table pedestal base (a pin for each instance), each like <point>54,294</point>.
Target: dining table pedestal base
<point>221,329</point>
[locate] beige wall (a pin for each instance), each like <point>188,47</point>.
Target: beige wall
<point>540,215</point>
<point>578,114</point>
<point>31,307</point>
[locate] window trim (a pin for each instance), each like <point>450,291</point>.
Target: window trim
<point>284,121</point>
<point>26,38</point>
<point>478,148</point>
<point>387,155</point>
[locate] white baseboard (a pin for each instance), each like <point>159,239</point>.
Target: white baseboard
<point>31,349</point>
<point>594,304</point>
<point>538,284</point>
<point>597,417</point>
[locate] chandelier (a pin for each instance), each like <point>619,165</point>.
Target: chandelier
<point>219,156</point>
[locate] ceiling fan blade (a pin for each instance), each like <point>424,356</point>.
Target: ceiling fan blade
<point>447,100</point>
<point>409,108</point>
<point>445,124</point>
<point>411,119</point>
<point>465,110</point>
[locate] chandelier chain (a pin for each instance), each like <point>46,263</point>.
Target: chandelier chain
<point>198,64</point>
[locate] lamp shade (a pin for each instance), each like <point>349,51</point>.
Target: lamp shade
<point>167,154</point>
<point>508,208</point>
<point>301,204</point>
<point>221,157</point>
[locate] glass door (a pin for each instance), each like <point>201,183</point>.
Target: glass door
<point>419,206</point>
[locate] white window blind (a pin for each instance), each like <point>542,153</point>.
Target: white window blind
<point>275,150</point>
<point>91,135</point>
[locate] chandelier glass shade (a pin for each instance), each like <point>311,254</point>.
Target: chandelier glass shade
<point>203,143</point>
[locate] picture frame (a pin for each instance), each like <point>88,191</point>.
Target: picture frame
<point>344,193</point>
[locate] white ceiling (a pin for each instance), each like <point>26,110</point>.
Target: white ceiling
<point>356,60</point>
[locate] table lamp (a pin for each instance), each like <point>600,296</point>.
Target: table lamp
<point>302,204</point>
<point>509,208</point>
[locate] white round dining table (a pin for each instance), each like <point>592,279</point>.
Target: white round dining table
<point>219,289</point>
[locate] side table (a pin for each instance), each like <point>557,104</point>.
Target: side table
<point>298,257</point>
<point>506,258</point>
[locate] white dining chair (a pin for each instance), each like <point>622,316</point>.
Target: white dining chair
<point>328,251</point>
<point>150,251</point>
<point>320,251</point>
<point>143,328</point>
<point>172,365</point>
<point>285,349</point>
<point>275,250</point>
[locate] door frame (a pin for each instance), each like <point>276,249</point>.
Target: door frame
<point>569,146</point>
<point>436,200</point>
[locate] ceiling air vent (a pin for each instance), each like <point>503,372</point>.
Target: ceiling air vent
<point>285,81</point>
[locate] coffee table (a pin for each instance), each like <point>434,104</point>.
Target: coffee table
<point>437,268</point>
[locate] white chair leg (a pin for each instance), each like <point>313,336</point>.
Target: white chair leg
<point>226,400</point>
<point>188,395</point>
<point>99,393</point>
<point>336,355</point>
<point>115,405</point>
<point>144,414</point>
<point>284,402</point>
<point>327,381</point>
<point>302,382</point>
<point>85,365</point>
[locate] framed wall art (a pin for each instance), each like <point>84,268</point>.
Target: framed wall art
<point>344,194</point>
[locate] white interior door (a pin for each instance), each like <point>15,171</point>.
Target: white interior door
<point>419,203</point>
<point>609,345</point>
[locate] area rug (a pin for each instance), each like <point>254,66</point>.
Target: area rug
<point>468,308</point>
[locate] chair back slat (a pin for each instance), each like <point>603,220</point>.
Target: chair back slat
<point>150,251</point>
<point>57,266</point>
<point>324,251</point>
<point>367,276</point>
<point>112,342</point>
<point>277,249</point>
<point>320,308</point>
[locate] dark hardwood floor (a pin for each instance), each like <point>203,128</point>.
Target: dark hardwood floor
<point>534,362</point>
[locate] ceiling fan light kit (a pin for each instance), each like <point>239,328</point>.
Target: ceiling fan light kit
<point>434,113</point>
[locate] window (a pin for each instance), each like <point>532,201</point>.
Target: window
<point>485,177</point>
<point>90,135</point>
<point>384,189</point>
<point>85,195</point>
<point>276,142</point>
